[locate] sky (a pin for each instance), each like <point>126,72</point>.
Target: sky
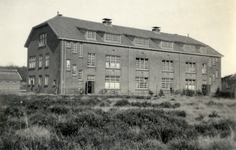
<point>212,22</point>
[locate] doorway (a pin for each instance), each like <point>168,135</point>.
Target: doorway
<point>89,87</point>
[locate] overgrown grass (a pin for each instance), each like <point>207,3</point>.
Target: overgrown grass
<point>49,122</point>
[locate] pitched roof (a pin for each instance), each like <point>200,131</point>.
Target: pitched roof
<point>68,28</point>
<point>9,75</point>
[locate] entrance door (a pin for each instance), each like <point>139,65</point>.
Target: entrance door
<point>90,87</point>
<point>206,89</point>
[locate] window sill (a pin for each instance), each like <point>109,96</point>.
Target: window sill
<point>191,72</point>
<point>91,66</point>
<point>142,69</point>
<point>146,89</point>
<point>42,46</point>
<point>168,71</point>
<point>45,85</point>
<point>74,76</point>
<point>113,68</point>
<point>67,70</point>
<point>81,57</point>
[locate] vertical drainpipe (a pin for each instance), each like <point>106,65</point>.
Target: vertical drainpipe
<point>129,73</point>
<point>179,70</point>
<point>62,68</point>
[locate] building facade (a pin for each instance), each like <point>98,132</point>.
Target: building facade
<point>9,81</point>
<point>67,54</point>
<point>228,84</point>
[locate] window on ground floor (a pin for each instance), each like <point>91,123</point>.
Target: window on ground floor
<point>112,82</point>
<point>141,83</point>
<point>46,80</point>
<point>166,83</point>
<point>190,84</point>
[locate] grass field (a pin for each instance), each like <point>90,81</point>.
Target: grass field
<point>117,122</point>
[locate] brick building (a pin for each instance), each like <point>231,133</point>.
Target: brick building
<point>67,54</point>
<point>9,81</point>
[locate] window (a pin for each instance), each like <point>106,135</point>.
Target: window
<point>80,50</point>
<point>165,44</point>
<point>32,62</point>
<point>112,61</point>
<point>204,68</point>
<point>112,82</point>
<point>46,80</point>
<point>40,80</point>
<point>190,84</point>
<point>213,77</point>
<point>42,39</point>
<point>190,67</point>
<point>213,61</point>
<point>141,83</point>
<point>141,63</point>
<point>47,60</point>
<point>31,80</point>
<point>166,83</point>
<point>91,60</point>
<point>217,60</point>
<point>209,62</point>
<point>68,44</point>
<point>141,41</point>
<point>90,78</point>
<point>167,65</point>
<point>74,70</point>
<point>74,47</point>
<point>91,35</point>
<point>189,47</point>
<point>210,81</point>
<point>68,65</point>
<point>112,38</point>
<point>40,61</point>
<point>217,74</point>
<point>80,75</point>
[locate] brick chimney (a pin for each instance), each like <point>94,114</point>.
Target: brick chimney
<point>156,29</point>
<point>106,21</point>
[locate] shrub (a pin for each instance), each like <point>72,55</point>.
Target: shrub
<point>150,92</point>
<point>213,114</point>
<point>161,93</point>
<point>122,103</point>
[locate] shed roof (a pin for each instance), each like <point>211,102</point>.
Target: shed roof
<point>9,75</point>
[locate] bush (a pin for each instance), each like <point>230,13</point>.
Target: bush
<point>122,103</point>
<point>213,114</point>
<point>161,93</point>
<point>150,92</point>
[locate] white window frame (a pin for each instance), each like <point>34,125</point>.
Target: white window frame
<point>91,35</point>
<point>142,63</point>
<point>42,39</point>
<point>109,37</point>
<point>166,83</point>
<point>167,45</point>
<point>190,67</point>
<point>141,83</point>
<point>80,75</point>
<point>141,41</point>
<point>91,60</point>
<point>204,68</point>
<point>31,78</point>
<point>112,82</point>
<point>32,62</point>
<point>75,48</point>
<point>74,70</point>
<point>39,80</point>
<point>46,80</point>
<point>68,65</point>
<point>213,77</point>
<point>167,65</point>
<point>190,84</point>
<point>113,61</point>
<point>80,50</point>
<point>210,82</point>
<point>40,61</point>
<point>47,57</point>
<point>68,44</point>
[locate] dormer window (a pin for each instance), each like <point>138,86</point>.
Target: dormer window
<point>112,37</point>
<point>141,41</point>
<point>168,45</point>
<point>42,39</point>
<point>91,35</point>
<point>188,47</point>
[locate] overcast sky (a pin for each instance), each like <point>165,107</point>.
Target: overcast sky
<point>212,22</point>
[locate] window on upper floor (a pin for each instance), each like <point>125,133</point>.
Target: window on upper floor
<point>217,74</point>
<point>213,77</point>
<point>141,63</point>
<point>112,82</point>
<point>167,65</point>
<point>166,83</point>
<point>168,45</point>
<point>112,37</point>
<point>217,60</point>
<point>141,41</point>
<point>91,60</point>
<point>112,61</point>
<point>74,48</point>
<point>74,70</point>
<point>204,68</point>
<point>209,80</point>
<point>209,62</point>
<point>80,50</point>
<point>190,84</point>
<point>43,39</point>
<point>188,47</point>
<point>91,35</point>
<point>32,61</point>
<point>40,61</point>
<point>190,67</point>
<point>213,61</point>
<point>80,75</point>
<point>47,60</point>
<point>68,44</point>
<point>39,80</point>
<point>68,65</point>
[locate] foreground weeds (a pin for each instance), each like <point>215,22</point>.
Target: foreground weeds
<point>44,122</point>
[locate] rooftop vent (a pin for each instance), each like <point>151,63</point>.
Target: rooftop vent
<point>106,21</point>
<point>156,29</point>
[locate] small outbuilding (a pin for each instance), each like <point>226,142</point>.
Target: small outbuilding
<point>9,81</point>
<point>229,84</point>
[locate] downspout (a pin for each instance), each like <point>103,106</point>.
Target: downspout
<point>129,73</point>
<point>62,68</point>
<point>179,71</point>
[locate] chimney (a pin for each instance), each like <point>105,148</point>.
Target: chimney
<point>106,21</point>
<point>156,29</point>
